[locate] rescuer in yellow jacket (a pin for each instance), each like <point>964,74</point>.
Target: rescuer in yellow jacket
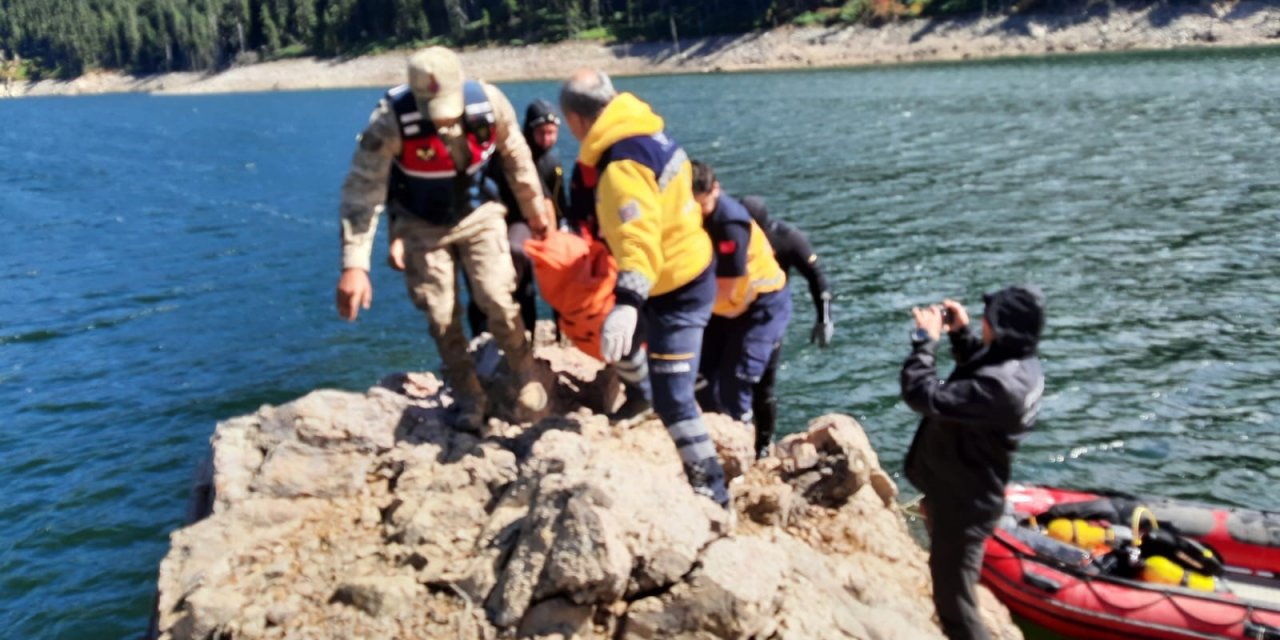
<point>753,306</point>
<point>644,199</point>
<point>641,183</point>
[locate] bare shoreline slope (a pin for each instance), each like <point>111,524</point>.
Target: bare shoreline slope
<point>1157,27</point>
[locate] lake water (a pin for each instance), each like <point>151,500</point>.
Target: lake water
<point>170,262</point>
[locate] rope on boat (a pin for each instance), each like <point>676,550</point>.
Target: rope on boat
<point>912,507</point>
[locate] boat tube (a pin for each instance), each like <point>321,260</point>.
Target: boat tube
<point>1223,581</point>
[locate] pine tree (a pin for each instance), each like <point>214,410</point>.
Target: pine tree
<point>304,22</point>
<point>457,19</point>
<point>270,33</point>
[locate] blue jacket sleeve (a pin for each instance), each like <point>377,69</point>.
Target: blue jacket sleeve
<point>732,241</point>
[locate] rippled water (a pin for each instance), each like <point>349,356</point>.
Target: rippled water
<point>170,262</point>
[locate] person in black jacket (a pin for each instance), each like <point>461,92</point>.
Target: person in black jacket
<point>541,131</point>
<point>961,455</point>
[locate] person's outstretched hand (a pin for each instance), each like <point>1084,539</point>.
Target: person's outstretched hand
<point>355,292</point>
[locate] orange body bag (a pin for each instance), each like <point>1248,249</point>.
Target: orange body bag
<point>576,277</point>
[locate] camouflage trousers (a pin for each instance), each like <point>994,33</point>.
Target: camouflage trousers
<point>478,245</point>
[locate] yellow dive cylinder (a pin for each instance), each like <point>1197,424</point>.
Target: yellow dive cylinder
<point>1080,533</point>
<point>1161,570</point>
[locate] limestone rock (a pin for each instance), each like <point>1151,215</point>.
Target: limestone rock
<point>830,461</point>
<point>329,417</point>
<point>236,457</point>
<point>378,595</point>
<point>735,443</point>
<point>814,604</point>
<point>556,619</point>
<point>293,470</point>
<point>347,515</point>
<point>209,612</point>
<point>770,504</point>
<point>734,593</point>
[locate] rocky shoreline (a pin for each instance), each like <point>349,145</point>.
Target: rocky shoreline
<point>346,515</point>
<point>1104,27</point>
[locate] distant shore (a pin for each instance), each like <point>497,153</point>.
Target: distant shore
<point>1243,24</point>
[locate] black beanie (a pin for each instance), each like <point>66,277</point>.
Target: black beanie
<point>539,112</point>
<point>1017,315</point>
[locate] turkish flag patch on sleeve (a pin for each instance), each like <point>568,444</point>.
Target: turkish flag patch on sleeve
<point>728,246</point>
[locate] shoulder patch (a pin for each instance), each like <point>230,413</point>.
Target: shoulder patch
<point>629,211</point>
<point>727,247</point>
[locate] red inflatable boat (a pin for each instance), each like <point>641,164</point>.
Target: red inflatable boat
<point>1043,581</point>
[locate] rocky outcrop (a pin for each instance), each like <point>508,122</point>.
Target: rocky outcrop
<point>343,515</point>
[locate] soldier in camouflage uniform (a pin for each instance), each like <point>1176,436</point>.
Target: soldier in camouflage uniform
<point>424,155</point>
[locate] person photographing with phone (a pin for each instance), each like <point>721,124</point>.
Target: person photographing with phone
<point>961,455</point>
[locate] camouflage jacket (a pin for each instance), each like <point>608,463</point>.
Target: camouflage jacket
<point>364,192</point>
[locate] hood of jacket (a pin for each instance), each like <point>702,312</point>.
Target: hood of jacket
<point>1017,316</point>
<point>538,113</point>
<point>625,117</point>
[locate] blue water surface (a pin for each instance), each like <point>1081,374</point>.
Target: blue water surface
<point>170,262</point>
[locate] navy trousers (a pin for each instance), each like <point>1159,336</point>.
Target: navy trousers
<point>737,353</point>
<point>957,541</point>
<point>673,328</point>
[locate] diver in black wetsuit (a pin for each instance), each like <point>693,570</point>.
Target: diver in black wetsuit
<point>792,250</point>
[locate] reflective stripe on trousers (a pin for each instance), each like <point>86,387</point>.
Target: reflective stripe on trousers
<point>674,323</point>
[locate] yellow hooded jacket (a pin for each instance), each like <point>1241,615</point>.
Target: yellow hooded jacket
<point>644,198</point>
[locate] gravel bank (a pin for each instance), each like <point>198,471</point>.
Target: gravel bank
<point>1239,24</point>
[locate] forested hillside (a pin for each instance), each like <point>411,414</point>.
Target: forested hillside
<point>65,38</point>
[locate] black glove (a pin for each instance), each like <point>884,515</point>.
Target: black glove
<point>821,334</point>
<point>824,328</point>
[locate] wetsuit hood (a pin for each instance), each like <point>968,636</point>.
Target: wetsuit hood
<point>626,116</point>
<point>540,112</point>
<point>1017,316</point>
<point>759,212</point>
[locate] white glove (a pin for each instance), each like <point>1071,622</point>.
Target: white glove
<point>617,333</point>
